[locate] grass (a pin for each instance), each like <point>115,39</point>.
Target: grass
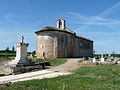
<point>53,62</point>
<point>6,56</point>
<point>103,77</point>
<point>57,61</point>
<point>2,59</point>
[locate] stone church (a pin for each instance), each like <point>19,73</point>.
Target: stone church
<point>53,42</point>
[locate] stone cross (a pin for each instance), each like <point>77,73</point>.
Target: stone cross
<point>22,39</point>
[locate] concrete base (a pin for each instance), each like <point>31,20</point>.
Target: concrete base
<point>15,63</point>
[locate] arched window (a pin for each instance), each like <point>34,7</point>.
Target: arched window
<point>60,24</point>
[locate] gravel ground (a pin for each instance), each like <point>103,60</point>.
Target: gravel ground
<point>4,70</point>
<point>70,65</point>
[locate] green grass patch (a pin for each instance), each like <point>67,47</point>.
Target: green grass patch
<point>103,77</point>
<point>57,61</point>
<point>2,59</point>
<point>6,55</point>
<point>53,62</point>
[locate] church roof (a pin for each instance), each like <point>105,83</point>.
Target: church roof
<point>49,28</point>
<point>55,29</point>
<point>84,38</point>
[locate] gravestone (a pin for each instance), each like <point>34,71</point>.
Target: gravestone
<point>21,54</point>
<point>109,55</point>
<point>102,58</point>
<point>94,60</point>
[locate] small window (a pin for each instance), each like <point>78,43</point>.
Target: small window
<point>60,24</point>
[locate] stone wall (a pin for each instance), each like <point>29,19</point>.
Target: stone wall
<point>65,44</point>
<point>83,48</point>
<point>62,44</point>
<point>45,43</point>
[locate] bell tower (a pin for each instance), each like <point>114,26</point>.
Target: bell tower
<point>61,23</point>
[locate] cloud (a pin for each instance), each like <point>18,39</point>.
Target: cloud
<point>100,19</point>
<point>106,46</point>
<point>90,20</point>
<point>10,18</point>
<point>85,23</point>
<point>28,7</point>
<point>102,33</point>
<point>111,10</point>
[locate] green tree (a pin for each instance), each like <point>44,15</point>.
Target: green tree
<point>7,49</point>
<point>33,53</point>
<point>13,49</point>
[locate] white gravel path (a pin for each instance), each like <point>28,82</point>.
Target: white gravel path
<point>31,75</point>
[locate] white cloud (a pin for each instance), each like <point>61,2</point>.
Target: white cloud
<point>90,20</point>
<point>100,19</point>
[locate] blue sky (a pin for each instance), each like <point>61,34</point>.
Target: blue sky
<point>98,20</point>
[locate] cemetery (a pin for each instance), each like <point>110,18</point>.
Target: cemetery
<point>103,60</point>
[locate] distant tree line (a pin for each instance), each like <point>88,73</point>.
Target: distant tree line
<point>7,50</point>
<point>11,52</point>
<point>106,55</point>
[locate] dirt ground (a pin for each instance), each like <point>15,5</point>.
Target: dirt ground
<point>2,68</point>
<point>68,66</point>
